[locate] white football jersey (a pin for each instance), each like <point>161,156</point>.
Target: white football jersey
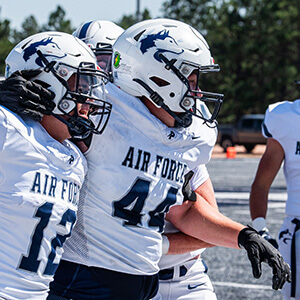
<point>39,192</point>
<point>282,123</point>
<point>136,171</point>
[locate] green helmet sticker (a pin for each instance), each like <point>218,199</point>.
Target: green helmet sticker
<point>117,59</point>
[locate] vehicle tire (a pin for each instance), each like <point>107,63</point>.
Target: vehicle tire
<point>249,147</point>
<point>226,142</point>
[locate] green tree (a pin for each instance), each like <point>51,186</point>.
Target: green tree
<point>57,21</point>
<point>5,43</point>
<point>256,43</point>
<point>29,27</point>
<point>128,20</point>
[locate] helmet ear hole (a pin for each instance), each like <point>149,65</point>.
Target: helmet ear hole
<point>159,81</point>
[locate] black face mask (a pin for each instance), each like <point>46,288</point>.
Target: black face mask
<point>79,127</point>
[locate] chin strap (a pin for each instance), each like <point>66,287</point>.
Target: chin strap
<point>181,119</point>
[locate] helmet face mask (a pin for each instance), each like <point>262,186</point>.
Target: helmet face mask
<point>155,58</point>
<point>69,70</point>
<point>86,86</point>
<point>104,60</point>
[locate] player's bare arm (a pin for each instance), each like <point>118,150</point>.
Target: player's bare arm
<point>181,243</point>
<point>200,220</point>
<point>267,170</point>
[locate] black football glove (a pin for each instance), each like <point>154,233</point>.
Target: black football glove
<point>259,250</point>
<point>24,97</point>
<point>187,191</point>
<point>268,237</point>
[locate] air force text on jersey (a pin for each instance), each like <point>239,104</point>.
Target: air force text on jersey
<point>52,186</point>
<point>164,167</point>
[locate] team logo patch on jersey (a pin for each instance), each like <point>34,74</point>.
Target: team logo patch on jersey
<point>152,41</point>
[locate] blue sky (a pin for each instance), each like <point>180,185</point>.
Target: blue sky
<point>77,11</point>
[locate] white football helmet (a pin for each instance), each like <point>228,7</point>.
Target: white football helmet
<point>154,58</point>
<point>65,60</point>
<point>100,36</point>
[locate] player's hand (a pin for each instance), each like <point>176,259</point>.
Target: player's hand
<point>187,191</point>
<point>24,97</point>
<point>259,250</point>
<point>268,237</point>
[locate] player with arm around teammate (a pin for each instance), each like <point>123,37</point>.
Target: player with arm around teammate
<point>151,142</point>
<point>281,128</point>
<point>147,155</point>
<point>100,36</point>
<point>41,172</point>
<point>157,133</point>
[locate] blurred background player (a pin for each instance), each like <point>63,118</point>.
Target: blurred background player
<point>100,36</point>
<point>41,171</point>
<point>283,146</point>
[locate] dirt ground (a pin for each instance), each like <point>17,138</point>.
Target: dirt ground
<point>240,152</point>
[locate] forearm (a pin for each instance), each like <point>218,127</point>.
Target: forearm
<point>181,243</point>
<point>258,201</point>
<point>204,222</point>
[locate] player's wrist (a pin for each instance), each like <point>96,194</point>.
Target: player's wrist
<point>259,224</point>
<point>165,244</point>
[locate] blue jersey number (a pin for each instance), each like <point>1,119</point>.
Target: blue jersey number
<point>31,262</point>
<point>129,208</point>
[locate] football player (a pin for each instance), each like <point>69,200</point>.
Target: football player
<point>41,171</point>
<point>280,127</point>
<point>159,130</point>
<point>100,36</point>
